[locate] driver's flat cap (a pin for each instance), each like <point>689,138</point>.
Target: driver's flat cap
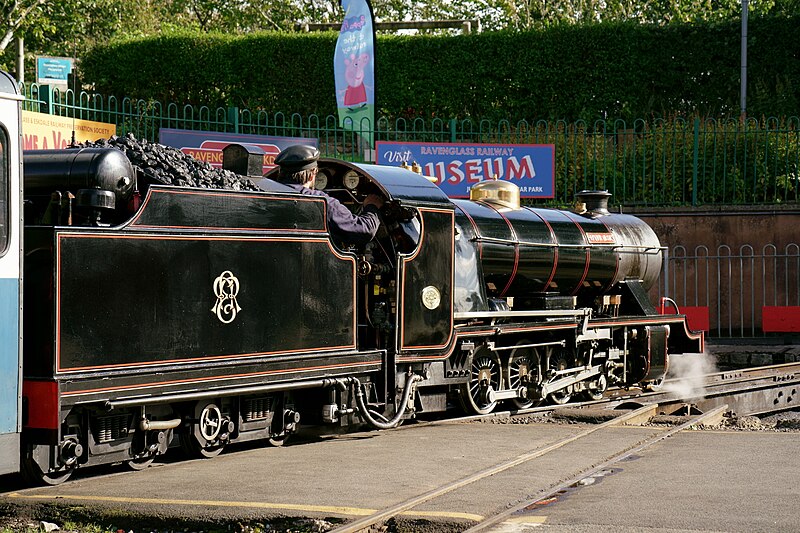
<point>297,157</point>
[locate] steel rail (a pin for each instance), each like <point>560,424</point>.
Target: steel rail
<point>753,372</point>
<point>642,413</point>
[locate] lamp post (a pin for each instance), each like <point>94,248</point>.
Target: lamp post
<point>743,94</point>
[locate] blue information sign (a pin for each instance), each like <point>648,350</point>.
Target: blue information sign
<point>53,70</point>
<point>458,166</point>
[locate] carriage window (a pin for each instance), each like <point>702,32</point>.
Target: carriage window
<point>5,215</point>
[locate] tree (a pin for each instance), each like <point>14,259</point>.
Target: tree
<point>246,16</point>
<point>69,27</point>
<point>15,14</point>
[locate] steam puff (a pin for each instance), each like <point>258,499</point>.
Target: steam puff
<point>686,374</point>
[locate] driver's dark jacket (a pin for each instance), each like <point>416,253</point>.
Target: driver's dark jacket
<point>344,225</point>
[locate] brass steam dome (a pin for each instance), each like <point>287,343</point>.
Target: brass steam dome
<point>497,192</point>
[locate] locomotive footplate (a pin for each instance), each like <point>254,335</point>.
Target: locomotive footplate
<point>235,377</point>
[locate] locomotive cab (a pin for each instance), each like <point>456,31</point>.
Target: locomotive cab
<point>407,271</point>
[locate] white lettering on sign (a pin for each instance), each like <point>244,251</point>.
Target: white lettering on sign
<point>600,238</point>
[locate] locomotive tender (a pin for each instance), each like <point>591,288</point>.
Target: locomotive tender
<point>202,317</point>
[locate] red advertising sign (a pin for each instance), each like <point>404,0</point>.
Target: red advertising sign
<point>207,145</point>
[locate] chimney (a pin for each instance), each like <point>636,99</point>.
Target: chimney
<point>594,203</point>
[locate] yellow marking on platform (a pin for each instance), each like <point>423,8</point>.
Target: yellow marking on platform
<point>519,524</point>
<point>443,514</point>
<point>351,511</point>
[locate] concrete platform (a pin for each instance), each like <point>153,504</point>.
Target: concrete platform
<point>699,481</point>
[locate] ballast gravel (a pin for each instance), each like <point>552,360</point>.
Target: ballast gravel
<point>787,421</point>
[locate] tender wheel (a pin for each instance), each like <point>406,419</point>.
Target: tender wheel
<point>140,463</point>
<point>144,453</point>
<point>484,376</point>
<point>207,439</point>
<point>193,448</point>
<point>523,369</point>
<point>558,361</point>
<point>33,475</point>
<point>284,427</point>
<point>278,440</point>
<point>210,422</point>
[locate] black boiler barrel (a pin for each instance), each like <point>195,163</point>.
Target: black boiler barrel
<point>108,169</point>
<point>531,251</point>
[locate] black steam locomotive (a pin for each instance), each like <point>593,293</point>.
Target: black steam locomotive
<point>158,315</point>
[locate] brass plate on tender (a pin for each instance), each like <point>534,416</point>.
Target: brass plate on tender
<point>226,288</point>
<point>431,297</point>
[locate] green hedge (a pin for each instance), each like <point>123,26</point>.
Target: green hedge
<point>571,72</point>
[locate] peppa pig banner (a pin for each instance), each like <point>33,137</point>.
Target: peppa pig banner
<point>459,166</point>
<point>353,69</point>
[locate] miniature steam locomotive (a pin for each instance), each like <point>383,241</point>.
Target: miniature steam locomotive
<point>156,315</point>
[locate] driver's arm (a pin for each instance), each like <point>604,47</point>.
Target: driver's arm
<point>354,229</point>
<point>373,200</point>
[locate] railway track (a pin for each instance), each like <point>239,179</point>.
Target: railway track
<point>746,392</point>
<point>703,400</point>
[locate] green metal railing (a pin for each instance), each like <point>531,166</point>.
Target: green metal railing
<point>655,162</point>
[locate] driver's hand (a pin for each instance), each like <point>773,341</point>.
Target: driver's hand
<point>373,199</point>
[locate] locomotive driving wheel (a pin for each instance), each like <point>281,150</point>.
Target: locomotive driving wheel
<point>523,369</point>
<point>597,388</point>
<point>484,377</point>
<point>558,361</point>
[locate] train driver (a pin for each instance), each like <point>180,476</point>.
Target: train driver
<point>298,170</point>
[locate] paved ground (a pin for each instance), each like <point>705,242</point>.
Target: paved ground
<point>694,481</point>
<point>698,480</point>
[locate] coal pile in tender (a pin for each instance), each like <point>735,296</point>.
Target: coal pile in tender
<point>165,165</point>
